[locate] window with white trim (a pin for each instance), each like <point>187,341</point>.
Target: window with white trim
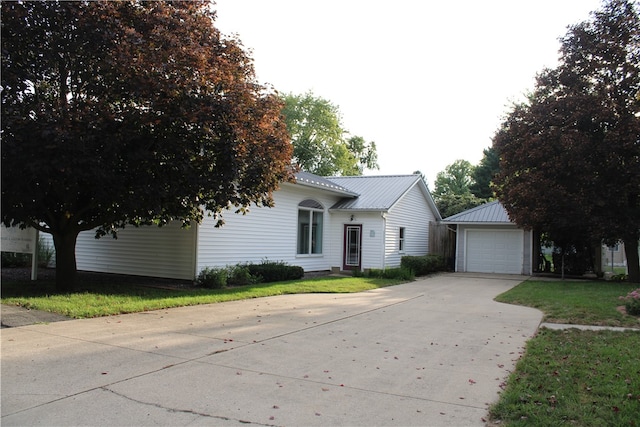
<point>310,227</point>
<point>401,239</point>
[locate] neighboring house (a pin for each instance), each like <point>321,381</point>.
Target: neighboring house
<point>487,241</point>
<point>614,256</point>
<point>320,224</point>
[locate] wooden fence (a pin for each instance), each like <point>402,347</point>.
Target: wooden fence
<point>442,241</point>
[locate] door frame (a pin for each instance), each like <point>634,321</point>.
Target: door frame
<point>347,246</point>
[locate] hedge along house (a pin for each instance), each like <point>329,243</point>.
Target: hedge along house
<point>320,224</point>
<point>487,241</point>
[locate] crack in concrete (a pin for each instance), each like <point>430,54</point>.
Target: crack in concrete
<point>184,411</point>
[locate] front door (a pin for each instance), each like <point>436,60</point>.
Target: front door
<point>352,247</point>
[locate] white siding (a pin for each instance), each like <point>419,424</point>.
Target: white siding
<point>372,237</point>
<point>266,233</point>
<point>146,251</point>
<point>411,212</point>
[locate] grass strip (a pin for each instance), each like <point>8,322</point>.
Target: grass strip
<point>100,299</point>
<point>574,302</point>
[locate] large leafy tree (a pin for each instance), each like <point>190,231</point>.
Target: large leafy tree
<point>483,174</point>
<point>455,179</point>
<point>452,192</point>
<point>130,112</point>
<point>321,145</point>
<point>570,155</point>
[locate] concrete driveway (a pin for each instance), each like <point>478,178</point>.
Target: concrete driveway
<point>430,352</point>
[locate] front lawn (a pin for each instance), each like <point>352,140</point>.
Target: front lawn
<point>574,377</point>
<point>101,298</point>
<point>575,302</point>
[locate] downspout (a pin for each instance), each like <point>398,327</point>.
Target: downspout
<point>384,240</point>
<point>195,252</point>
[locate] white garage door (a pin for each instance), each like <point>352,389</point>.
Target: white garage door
<point>494,251</point>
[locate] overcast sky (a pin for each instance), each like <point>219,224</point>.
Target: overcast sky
<point>429,81</point>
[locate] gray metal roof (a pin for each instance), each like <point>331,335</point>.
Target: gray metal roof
<point>311,180</point>
<point>492,212</point>
<point>376,193</point>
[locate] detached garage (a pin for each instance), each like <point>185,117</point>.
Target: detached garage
<point>488,242</point>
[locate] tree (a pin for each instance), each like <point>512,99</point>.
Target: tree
<point>451,204</point>
<point>452,192</point>
<point>570,154</point>
<point>319,140</point>
<point>455,179</point>
<point>483,174</point>
<point>138,113</point>
<point>365,154</point>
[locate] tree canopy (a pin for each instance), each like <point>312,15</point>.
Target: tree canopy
<point>321,145</point>
<point>117,113</point>
<point>570,154</point>
<point>484,173</point>
<point>452,192</point>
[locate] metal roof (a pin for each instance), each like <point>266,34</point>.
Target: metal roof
<point>311,180</point>
<point>376,193</point>
<point>492,212</point>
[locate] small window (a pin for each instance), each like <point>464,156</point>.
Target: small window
<point>401,236</point>
<point>310,227</point>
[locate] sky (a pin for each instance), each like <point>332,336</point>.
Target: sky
<point>429,81</point>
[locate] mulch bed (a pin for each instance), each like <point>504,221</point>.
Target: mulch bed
<point>23,274</point>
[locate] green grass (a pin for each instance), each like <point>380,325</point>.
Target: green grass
<point>574,377</point>
<point>575,302</point>
<point>99,299</point>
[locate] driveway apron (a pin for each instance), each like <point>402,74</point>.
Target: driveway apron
<point>432,352</point>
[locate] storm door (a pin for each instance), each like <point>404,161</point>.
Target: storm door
<point>352,247</point>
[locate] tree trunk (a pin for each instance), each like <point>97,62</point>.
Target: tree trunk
<point>633,261</point>
<point>66,269</point>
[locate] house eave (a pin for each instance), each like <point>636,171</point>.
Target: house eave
<point>335,190</point>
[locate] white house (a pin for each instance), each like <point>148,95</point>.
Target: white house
<point>487,241</point>
<point>337,223</point>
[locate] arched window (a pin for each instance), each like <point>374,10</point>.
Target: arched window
<point>310,230</point>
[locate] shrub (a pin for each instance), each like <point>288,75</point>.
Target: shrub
<point>632,302</point>
<point>422,265</point>
<point>239,275</point>
<point>401,273</point>
<point>357,273</point>
<point>212,277</point>
<point>275,271</point>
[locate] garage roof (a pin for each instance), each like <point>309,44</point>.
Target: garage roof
<point>489,213</point>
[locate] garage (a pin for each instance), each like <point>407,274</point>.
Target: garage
<point>490,251</point>
<point>487,241</point>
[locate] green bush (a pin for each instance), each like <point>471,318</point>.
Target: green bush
<point>246,274</point>
<point>275,271</point>
<point>400,273</point>
<point>212,277</point>
<point>239,275</point>
<point>422,265</point>
<point>357,273</point>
